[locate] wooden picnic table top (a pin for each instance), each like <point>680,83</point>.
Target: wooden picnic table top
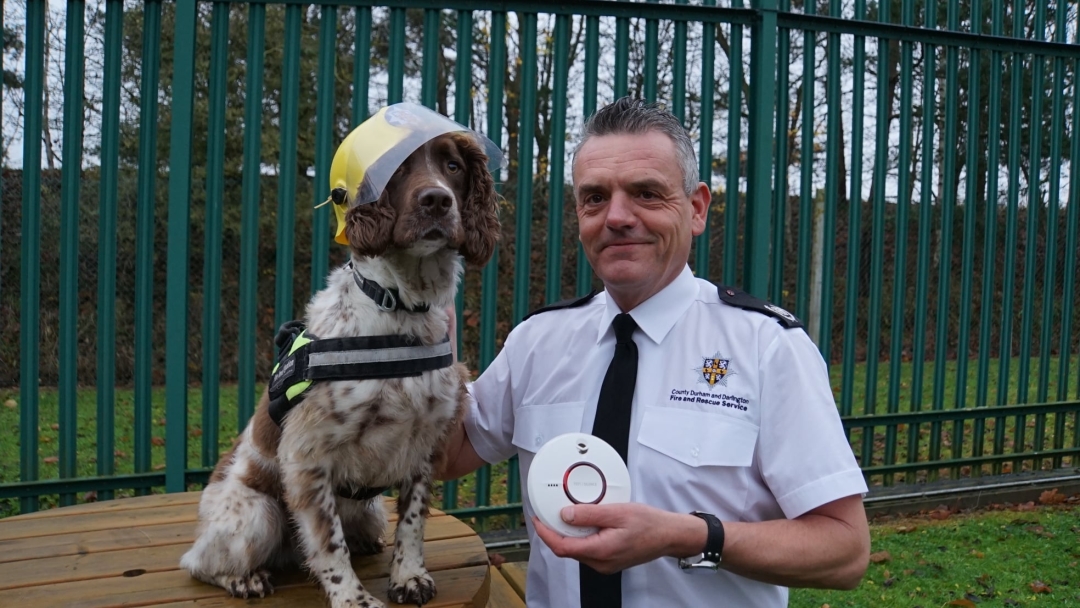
<point>127,552</point>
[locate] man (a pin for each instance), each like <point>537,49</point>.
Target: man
<point>732,414</point>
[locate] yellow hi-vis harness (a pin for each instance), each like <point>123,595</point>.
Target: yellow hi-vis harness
<point>304,359</point>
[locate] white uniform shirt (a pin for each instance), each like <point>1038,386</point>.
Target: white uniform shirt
<point>762,441</point>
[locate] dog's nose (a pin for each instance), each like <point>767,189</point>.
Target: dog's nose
<point>436,201</point>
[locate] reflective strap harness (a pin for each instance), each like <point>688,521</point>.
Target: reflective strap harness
<point>304,359</point>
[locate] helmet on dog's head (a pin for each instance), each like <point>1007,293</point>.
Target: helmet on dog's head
<point>367,158</point>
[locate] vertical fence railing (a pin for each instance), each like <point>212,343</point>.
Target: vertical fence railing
<point>69,240</point>
<point>825,228</point>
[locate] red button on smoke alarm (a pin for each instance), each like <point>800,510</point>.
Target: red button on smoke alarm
<point>584,483</point>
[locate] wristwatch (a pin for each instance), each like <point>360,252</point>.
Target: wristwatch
<point>714,546</point>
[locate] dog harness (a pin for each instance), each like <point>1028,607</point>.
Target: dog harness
<point>303,359</point>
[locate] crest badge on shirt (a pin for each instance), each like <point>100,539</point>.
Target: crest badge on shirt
<point>715,371</point>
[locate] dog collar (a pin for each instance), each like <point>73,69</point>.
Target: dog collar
<point>386,299</point>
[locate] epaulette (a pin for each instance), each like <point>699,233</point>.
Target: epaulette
<point>570,303</point>
<point>741,299</point>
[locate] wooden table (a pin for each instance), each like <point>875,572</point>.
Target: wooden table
<point>127,552</point>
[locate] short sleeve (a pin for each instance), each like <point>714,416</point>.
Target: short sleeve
<point>805,458</point>
<point>489,421</point>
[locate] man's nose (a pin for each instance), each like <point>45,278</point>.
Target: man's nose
<point>621,212</point>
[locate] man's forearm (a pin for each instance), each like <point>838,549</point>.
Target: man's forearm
<point>461,458</point>
<point>826,548</point>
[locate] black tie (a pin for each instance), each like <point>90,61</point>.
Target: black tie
<point>612,424</point>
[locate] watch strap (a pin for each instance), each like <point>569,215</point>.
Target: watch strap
<point>714,543</point>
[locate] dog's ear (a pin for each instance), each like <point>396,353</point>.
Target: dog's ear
<point>479,211</point>
<point>370,227</point>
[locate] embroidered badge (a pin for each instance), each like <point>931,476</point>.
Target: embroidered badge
<point>715,371</point>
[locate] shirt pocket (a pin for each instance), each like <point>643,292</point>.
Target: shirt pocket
<point>699,439</point>
<point>535,425</point>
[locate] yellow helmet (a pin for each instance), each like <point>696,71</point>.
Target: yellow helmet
<point>367,158</point>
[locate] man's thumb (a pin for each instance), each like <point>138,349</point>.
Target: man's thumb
<point>568,514</point>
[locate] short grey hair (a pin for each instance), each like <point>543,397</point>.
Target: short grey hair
<point>628,115</point>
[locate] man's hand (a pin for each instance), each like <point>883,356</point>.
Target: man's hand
<point>630,534</point>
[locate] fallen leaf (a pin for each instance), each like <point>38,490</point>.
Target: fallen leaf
<point>1039,587</point>
<point>90,496</point>
<point>159,467</point>
<point>52,459</point>
<point>880,557</point>
<point>962,602</point>
<point>11,404</point>
<point>1051,497</point>
<point>1027,506</point>
<point>196,432</point>
<point>158,441</point>
<point>939,514</point>
<point>54,426</point>
<point>1039,531</point>
<point>119,454</point>
<point>906,529</point>
<point>978,554</point>
<point>497,559</point>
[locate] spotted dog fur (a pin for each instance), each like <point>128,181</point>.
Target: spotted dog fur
<point>273,499</point>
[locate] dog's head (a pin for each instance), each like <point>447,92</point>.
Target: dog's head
<point>442,196</point>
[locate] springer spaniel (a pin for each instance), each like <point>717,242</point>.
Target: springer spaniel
<point>277,496</point>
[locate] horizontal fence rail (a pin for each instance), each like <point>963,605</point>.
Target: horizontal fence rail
<point>903,179</point>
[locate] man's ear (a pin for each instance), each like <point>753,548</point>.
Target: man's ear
<point>699,201</point>
<point>370,227</point>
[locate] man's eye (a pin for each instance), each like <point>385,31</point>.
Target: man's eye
<point>593,199</point>
<point>453,167</point>
<point>648,195</point>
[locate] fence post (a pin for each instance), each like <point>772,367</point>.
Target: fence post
<point>763,34</point>
<point>176,288</point>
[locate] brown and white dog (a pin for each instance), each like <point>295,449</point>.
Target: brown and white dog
<point>274,498</point>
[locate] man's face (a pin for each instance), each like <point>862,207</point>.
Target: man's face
<point>635,221</point>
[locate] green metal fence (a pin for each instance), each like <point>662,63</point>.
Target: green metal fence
<point>901,177</point>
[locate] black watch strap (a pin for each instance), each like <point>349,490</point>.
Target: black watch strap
<point>714,543</point>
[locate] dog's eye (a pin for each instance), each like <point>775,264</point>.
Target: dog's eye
<point>453,166</point>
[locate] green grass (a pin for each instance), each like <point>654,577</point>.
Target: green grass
<point>989,559</point>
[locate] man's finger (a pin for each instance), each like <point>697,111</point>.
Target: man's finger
<point>601,516</point>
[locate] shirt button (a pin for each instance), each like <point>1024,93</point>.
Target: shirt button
<point>694,452</point>
<point>539,440</point>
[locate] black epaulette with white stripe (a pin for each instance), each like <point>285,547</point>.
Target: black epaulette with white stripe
<point>741,299</point>
<point>570,303</point>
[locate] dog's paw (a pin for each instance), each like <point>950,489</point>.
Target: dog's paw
<point>417,590</point>
<point>252,584</point>
<point>364,600</point>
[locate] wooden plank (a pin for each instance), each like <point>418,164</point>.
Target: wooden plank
<point>503,595</point>
<point>98,541</point>
<point>147,515</point>
<point>439,555</point>
<point>167,514</point>
<point>114,506</point>
<point>516,573</point>
<point>456,587</point>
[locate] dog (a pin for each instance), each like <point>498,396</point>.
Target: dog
<point>277,497</point>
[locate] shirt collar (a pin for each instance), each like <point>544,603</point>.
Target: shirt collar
<point>657,315</point>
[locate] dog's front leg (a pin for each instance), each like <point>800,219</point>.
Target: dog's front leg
<point>410,582</point>
<point>310,498</point>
